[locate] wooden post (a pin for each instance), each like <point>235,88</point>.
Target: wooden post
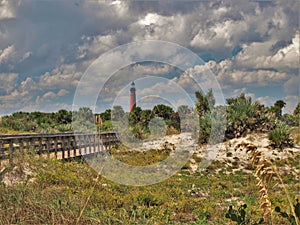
<point>62,148</point>
<point>98,142</point>
<point>84,144</point>
<point>11,150</point>
<point>79,143</point>
<point>40,151</point>
<point>31,145</point>
<point>68,146</point>
<point>73,144</point>
<point>48,146</point>
<point>90,143</point>
<point>21,146</point>
<point>55,146</point>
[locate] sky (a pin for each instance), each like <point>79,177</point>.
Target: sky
<point>46,48</point>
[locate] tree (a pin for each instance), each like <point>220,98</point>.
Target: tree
<point>277,108</point>
<point>205,107</point>
<point>204,102</point>
<point>117,113</point>
<point>183,110</point>
<point>135,116</point>
<point>163,111</point>
<point>296,115</point>
<point>106,115</point>
<point>84,114</point>
<point>243,115</point>
<point>63,116</point>
<point>146,116</point>
<point>297,110</point>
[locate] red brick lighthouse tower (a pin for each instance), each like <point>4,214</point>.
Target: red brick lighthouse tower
<point>132,97</point>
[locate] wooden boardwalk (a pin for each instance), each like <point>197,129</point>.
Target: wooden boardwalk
<point>58,145</point>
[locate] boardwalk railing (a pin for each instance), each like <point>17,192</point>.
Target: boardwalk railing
<point>59,145</point>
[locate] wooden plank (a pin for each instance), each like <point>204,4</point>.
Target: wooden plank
<point>90,143</point>
<point>55,146</point>
<point>68,146</point>
<point>48,147</point>
<point>73,145</point>
<point>10,151</point>
<point>63,148</point>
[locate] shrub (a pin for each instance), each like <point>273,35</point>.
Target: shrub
<point>244,115</point>
<point>280,136</point>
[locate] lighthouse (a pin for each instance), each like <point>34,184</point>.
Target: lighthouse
<point>132,97</point>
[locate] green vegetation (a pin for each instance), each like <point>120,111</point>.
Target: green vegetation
<point>70,192</point>
<point>49,191</point>
<point>280,136</point>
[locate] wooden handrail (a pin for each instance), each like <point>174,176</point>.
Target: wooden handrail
<point>58,145</point>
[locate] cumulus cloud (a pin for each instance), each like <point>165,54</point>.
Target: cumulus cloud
<point>7,8</point>
<point>6,54</point>
<point>49,53</point>
<point>65,76</point>
<point>260,55</point>
<point>228,75</point>
<point>52,95</point>
<point>7,82</point>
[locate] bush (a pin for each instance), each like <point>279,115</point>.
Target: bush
<point>244,115</point>
<point>280,136</point>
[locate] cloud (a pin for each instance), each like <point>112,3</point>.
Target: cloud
<point>65,76</point>
<point>7,9</point>
<point>93,47</point>
<point>219,35</point>
<point>52,95</point>
<point>260,55</point>
<point>28,84</point>
<point>49,53</point>
<point>229,75</point>
<point>6,54</point>
<point>291,87</point>
<point>7,82</point>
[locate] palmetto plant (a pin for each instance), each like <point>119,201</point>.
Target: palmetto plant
<point>280,136</point>
<point>243,115</point>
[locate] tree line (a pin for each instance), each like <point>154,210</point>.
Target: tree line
<point>241,114</point>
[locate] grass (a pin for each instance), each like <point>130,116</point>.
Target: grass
<point>140,158</point>
<point>68,192</point>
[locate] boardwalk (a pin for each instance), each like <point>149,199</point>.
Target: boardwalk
<point>58,145</point>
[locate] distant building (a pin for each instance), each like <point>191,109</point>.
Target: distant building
<point>132,97</point>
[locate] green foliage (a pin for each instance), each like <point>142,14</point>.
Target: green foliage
<point>184,110</point>
<point>57,191</point>
<point>106,115</point>
<point>297,109</point>
<point>210,115</point>
<point>239,216</point>
<point>40,122</point>
<point>204,103</point>
<point>117,113</point>
<point>139,120</point>
<point>280,136</point>
<point>106,126</point>
<point>244,115</point>
<point>135,116</point>
<point>204,128</point>
<point>296,115</point>
<point>162,111</point>
<point>289,216</point>
<point>147,199</point>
